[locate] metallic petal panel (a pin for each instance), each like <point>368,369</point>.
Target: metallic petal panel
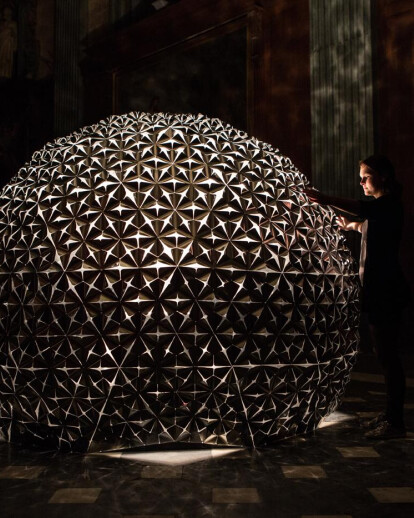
<point>162,279</point>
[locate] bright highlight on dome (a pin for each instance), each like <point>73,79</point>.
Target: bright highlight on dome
<point>163,279</point>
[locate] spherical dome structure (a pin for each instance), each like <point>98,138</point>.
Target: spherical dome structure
<point>163,279</point>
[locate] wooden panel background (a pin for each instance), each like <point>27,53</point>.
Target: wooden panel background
<point>394,67</point>
<point>277,75</point>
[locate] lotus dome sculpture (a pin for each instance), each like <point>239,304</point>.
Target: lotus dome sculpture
<point>163,279</point>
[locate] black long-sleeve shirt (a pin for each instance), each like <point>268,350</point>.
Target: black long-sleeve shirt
<point>384,286</point>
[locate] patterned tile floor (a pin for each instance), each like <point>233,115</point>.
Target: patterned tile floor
<point>333,473</point>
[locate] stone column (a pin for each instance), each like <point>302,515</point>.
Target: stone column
<point>68,79</point>
<point>341,93</point>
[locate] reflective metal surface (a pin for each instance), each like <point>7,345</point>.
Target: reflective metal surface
<point>163,279</point>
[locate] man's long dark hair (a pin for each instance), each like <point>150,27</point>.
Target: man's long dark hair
<point>381,165</point>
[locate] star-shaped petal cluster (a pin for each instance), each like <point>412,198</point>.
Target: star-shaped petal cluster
<point>163,279</point>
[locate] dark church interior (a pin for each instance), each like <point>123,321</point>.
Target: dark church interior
<point>326,84</point>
